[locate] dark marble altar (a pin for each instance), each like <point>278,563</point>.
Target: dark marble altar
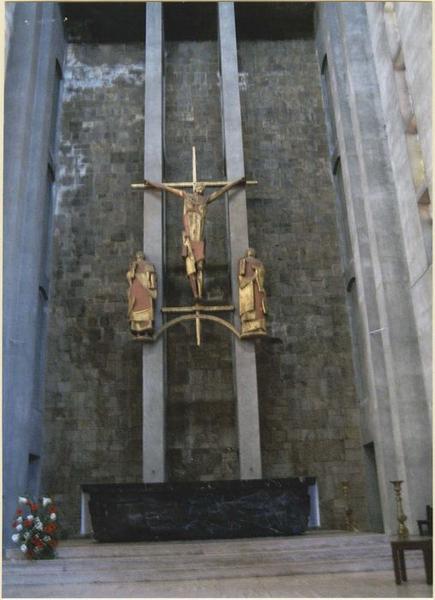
<point>199,510</point>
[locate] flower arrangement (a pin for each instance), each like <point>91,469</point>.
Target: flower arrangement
<point>37,532</point>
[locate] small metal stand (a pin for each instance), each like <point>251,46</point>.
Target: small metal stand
<point>402,531</point>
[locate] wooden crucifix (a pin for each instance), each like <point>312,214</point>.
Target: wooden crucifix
<point>194,213</point>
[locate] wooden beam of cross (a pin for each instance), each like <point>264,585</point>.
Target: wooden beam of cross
<point>198,309</point>
<point>187,184</point>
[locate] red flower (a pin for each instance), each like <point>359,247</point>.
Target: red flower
<point>14,524</point>
<point>27,523</point>
<point>33,507</point>
<point>52,508</point>
<point>19,512</point>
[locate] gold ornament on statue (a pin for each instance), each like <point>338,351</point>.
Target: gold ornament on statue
<point>402,531</point>
<point>142,292</point>
<point>195,205</point>
<point>142,279</point>
<point>252,295</point>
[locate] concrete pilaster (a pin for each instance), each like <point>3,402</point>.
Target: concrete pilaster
<point>245,369</point>
<point>416,52</point>
<point>35,43</point>
<point>396,413</point>
<point>9,20</point>
<point>405,380</point>
<point>153,391</point>
<point>376,418</point>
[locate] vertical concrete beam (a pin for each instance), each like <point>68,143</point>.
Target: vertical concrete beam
<point>376,418</point>
<point>396,333</point>
<point>417,63</point>
<point>245,367</point>
<point>35,43</point>
<point>9,20</point>
<point>153,392</point>
<point>413,17</point>
<point>20,85</point>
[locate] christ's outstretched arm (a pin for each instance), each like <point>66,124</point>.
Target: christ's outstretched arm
<point>225,189</point>
<point>165,188</point>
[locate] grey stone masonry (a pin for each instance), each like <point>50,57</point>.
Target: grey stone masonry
<point>93,418</point>
<point>201,428</point>
<point>309,414</point>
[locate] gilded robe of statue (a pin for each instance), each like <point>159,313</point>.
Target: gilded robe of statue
<point>194,213</point>
<point>141,294</point>
<point>252,295</point>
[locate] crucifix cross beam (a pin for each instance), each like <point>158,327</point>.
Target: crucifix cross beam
<point>187,184</point>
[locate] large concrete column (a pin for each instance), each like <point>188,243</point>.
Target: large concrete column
<point>417,57</point>
<point>397,403</point>
<point>153,391</point>
<point>35,44</point>
<point>376,417</point>
<point>245,368</point>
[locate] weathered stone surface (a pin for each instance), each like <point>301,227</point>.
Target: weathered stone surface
<point>306,392</point>
<point>93,399</point>
<point>202,440</point>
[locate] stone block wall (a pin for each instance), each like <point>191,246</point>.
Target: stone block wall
<point>309,417</point>
<point>308,408</point>
<point>93,407</point>
<point>202,439</point>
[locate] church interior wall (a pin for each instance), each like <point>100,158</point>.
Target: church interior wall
<point>35,48</point>
<point>308,410</point>
<point>405,97</point>
<point>414,24</point>
<point>393,412</point>
<point>93,409</point>
<point>344,380</point>
<point>308,406</point>
<point>201,410</point>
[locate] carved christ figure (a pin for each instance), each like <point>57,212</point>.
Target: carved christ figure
<point>252,295</point>
<point>142,292</point>
<point>194,213</point>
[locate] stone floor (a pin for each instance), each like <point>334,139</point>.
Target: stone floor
<point>318,564</point>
